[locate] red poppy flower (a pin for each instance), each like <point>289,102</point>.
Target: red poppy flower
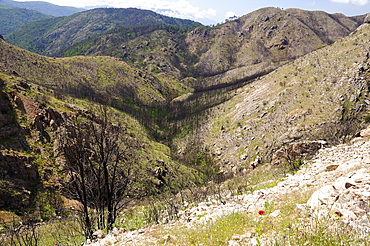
<point>261,212</point>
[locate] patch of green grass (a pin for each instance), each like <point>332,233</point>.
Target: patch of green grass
<point>215,233</point>
<point>61,232</point>
<point>133,218</point>
<point>262,177</point>
<point>319,231</point>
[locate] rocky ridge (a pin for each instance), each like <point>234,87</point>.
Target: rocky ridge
<point>338,179</point>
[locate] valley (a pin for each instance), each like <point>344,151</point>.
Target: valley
<point>120,110</point>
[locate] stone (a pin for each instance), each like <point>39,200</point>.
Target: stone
<point>349,185</point>
<point>327,195</point>
<point>365,132</point>
<point>275,214</point>
<point>331,168</point>
<point>99,234</point>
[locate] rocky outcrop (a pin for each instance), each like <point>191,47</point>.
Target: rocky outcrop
<point>8,126</point>
<point>367,19</point>
<point>18,174</point>
<point>17,167</point>
<point>296,150</point>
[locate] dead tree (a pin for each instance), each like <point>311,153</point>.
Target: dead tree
<point>101,169</point>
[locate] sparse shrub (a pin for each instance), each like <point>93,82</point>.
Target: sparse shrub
<point>19,234</point>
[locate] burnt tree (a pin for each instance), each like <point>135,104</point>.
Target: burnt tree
<point>100,168</point>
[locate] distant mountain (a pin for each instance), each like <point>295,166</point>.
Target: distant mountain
<point>12,18</point>
<point>43,7</point>
<point>53,37</point>
<point>235,51</point>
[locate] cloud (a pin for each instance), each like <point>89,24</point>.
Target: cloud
<point>358,2</point>
<point>178,8</point>
<point>230,14</point>
<point>174,8</point>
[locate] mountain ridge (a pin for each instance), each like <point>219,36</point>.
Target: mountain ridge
<point>43,7</point>
<point>63,31</point>
<point>12,18</point>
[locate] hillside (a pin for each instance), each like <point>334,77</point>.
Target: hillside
<point>273,35</point>
<point>174,122</point>
<point>42,7</point>
<point>263,37</point>
<point>62,90</point>
<point>323,203</point>
<point>12,18</point>
<point>257,42</point>
<point>323,95</point>
<point>54,36</point>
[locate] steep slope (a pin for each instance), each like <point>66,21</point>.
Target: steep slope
<point>52,37</point>
<point>266,35</point>
<point>326,202</point>
<point>323,95</point>
<point>12,18</point>
<point>42,95</point>
<point>157,48</point>
<point>43,7</point>
<point>83,75</point>
<point>255,43</point>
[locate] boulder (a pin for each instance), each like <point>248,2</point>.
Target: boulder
<point>99,234</point>
<point>365,132</point>
<point>327,195</point>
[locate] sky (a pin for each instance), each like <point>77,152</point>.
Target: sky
<point>216,11</point>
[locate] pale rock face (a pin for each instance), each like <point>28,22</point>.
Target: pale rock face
<point>367,18</point>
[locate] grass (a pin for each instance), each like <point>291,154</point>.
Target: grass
<point>133,218</point>
<point>7,217</point>
<point>262,177</point>
<point>61,232</point>
<point>287,227</point>
<point>282,223</point>
<point>214,233</point>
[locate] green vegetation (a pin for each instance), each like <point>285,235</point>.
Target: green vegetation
<point>42,7</point>
<point>36,36</point>
<point>12,18</point>
<point>215,233</point>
